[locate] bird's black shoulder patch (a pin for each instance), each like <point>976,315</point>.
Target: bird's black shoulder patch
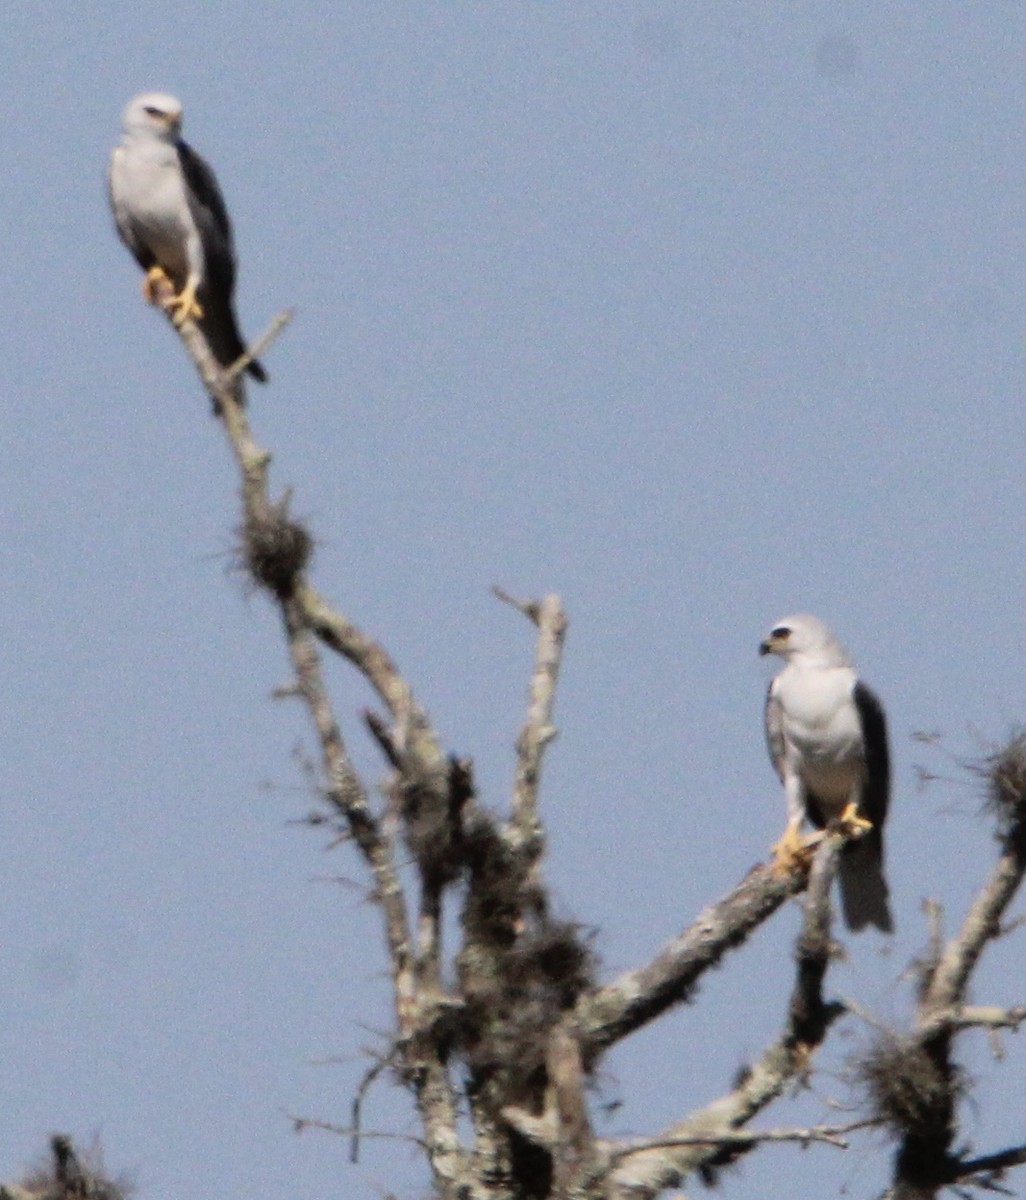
<point>203,188</point>
<point>876,795</point>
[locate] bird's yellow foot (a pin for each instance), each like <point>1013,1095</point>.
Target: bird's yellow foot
<point>185,306</point>
<point>852,822</point>
<point>789,851</point>
<point>154,277</point>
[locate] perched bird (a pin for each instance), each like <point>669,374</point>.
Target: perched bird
<point>827,737</point>
<point>170,213</point>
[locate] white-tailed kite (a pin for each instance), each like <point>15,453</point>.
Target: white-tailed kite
<point>170,213</point>
<point>827,737</point>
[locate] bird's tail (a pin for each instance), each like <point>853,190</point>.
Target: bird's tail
<point>863,887</point>
<point>222,332</point>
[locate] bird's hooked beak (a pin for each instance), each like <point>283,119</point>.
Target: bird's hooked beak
<point>778,641</point>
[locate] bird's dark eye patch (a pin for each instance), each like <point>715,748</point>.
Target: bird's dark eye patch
<point>153,112</point>
<point>782,632</point>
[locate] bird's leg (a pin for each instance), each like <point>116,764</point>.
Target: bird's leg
<point>788,851</point>
<point>155,276</point>
<point>852,822</point>
<point>185,306</point>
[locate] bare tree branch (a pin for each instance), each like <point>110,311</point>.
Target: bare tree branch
<point>969,1016</point>
<point>993,1165</point>
<point>257,348</point>
<point>498,1058</point>
<point>414,735</point>
<point>831,1135</point>
<point>706,1138</point>
<point>638,996</point>
<point>361,1093</point>
<point>538,730</point>
<point>982,923</point>
<point>914,1079</point>
<point>347,793</point>
<point>301,1124</point>
<point>277,551</point>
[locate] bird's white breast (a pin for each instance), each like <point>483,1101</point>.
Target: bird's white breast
<point>148,190</point>
<point>822,731</point>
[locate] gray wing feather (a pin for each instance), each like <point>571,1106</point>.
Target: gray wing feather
<point>774,731</point>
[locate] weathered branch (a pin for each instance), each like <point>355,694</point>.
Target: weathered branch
<point>356,1111</point>
<point>525,833</point>
<point>982,923</point>
<point>914,1080</point>
<point>277,551</point>
<point>413,733</point>
<point>524,1023</point>
<point>256,349</point>
<point>347,793</point>
<point>218,382</point>
<point>301,1124</point>
<point>830,1135</point>
<point>538,730</point>
<point>973,1016</point>
<point>226,391</point>
<point>990,1166</point>
<point>640,995</point>
<point>707,1138</point>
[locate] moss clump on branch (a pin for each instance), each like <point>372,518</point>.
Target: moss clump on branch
<point>1005,775</point>
<point>66,1175</point>
<point>275,549</point>
<point>908,1089</point>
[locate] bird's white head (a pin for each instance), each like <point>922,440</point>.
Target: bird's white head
<point>154,113</point>
<point>804,636</point>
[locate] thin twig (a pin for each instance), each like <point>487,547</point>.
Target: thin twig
<point>831,1135</point>
<point>526,834</point>
<point>256,349</point>
<point>361,1092</point>
<point>300,1124</point>
<point>529,608</point>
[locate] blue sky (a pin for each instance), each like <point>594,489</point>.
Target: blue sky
<point>697,314</point>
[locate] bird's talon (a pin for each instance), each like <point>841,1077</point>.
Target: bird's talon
<point>852,822</point>
<point>789,851</point>
<point>155,276</point>
<point>185,306</point>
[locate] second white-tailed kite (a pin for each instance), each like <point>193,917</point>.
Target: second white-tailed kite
<point>170,213</point>
<point>827,737</point>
